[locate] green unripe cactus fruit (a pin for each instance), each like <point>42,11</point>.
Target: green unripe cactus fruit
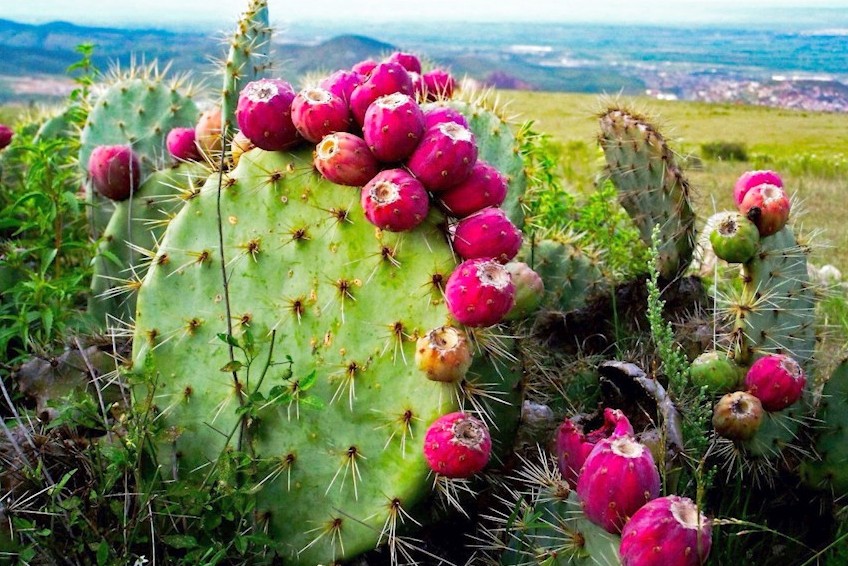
<point>651,186</point>
<point>734,238</point>
<point>715,371</point>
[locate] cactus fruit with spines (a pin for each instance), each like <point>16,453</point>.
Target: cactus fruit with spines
<point>651,186</point>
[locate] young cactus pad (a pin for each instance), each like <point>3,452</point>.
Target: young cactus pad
<point>139,111</point>
<point>342,457</point>
<point>651,186</point>
<point>131,236</point>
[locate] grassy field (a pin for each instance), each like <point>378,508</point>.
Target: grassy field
<point>809,149</point>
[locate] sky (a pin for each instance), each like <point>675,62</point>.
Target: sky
<point>218,14</point>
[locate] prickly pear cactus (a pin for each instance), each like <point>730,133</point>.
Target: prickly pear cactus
<point>651,186</point>
<point>775,313</point>
<point>345,301</point>
<point>248,58</point>
<point>131,236</point>
<point>137,109</point>
<point>830,470</point>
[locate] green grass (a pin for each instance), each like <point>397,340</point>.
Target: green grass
<point>808,149</point>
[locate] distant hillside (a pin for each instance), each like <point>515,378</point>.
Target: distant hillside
<point>48,50</point>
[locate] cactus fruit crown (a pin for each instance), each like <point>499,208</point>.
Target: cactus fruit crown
<point>627,447</point>
<point>492,274</point>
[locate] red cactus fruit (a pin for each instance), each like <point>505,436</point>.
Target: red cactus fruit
<point>115,171</point>
<point>440,114</point>
<point>457,445</point>
<point>417,85</point>
<point>750,179</point>
<point>364,67</point>
<point>345,159</point>
<point>438,84</point>
<point>394,200</point>
<point>668,531</point>
<point>617,478</point>
<point>776,380</point>
<point>479,292</point>
<point>445,157</point>
<point>488,233</point>
<point>443,354</point>
<point>393,126</point>
<point>737,416</point>
<point>385,78</point>
<point>767,206</point>
<point>207,131</point>
<point>735,239</point>
<point>529,290</point>
<point>572,445</point>
<point>180,144</point>
<point>408,61</point>
<point>341,83</point>
<point>485,186</point>
<point>264,114</point>
<point>6,135</point>
<point>317,112</point>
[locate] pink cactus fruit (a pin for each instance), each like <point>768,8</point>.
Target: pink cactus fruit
<point>417,85</point>
<point>364,67</point>
<point>408,61</point>
<point>529,290</point>
<point>479,292</point>
<point>668,531</point>
<point>386,78</point>
<point>317,112</point>
<point>438,84</point>
<point>6,135</point>
<point>345,159</point>
<point>264,114</point>
<point>115,171</point>
<point>440,114</point>
<point>750,179</point>
<point>488,233</point>
<point>776,380</point>
<point>618,477</point>
<point>457,445</point>
<point>395,201</point>
<point>445,157</point>
<point>393,126</point>
<point>767,206</point>
<point>484,187</point>
<point>443,354</point>
<point>572,445</point>
<point>180,144</point>
<point>341,83</point>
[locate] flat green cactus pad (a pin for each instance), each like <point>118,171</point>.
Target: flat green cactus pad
<point>830,470</point>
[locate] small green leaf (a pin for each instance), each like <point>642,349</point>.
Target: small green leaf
<point>180,541</point>
<point>232,366</point>
<point>228,339</point>
<point>102,553</point>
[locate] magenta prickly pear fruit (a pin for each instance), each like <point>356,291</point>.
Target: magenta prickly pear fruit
<point>479,292</point>
<point>767,206</point>
<point>457,445</point>
<point>345,159</point>
<point>6,135</point>
<point>488,233</point>
<point>715,371</point>
<point>115,171</point>
<point>529,290</point>
<point>364,68</point>
<point>180,144</point>
<point>317,112</point>
<point>750,179</point>
<point>264,114</point>
<point>735,239</point>
<point>445,157</point>
<point>393,127</point>
<point>572,445</point>
<point>618,477</point>
<point>438,84</point>
<point>444,354</point>
<point>395,201</point>
<point>417,85</point>
<point>341,83</point>
<point>484,187</point>
<point>737,416</point>
<point>776,380</point>
<point>406,60</point>
<point>441,114</point>
<point>385,78</point>
<point>668,531</point>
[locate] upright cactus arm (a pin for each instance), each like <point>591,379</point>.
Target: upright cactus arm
<point>248,58</point>
<point>651,185</point>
